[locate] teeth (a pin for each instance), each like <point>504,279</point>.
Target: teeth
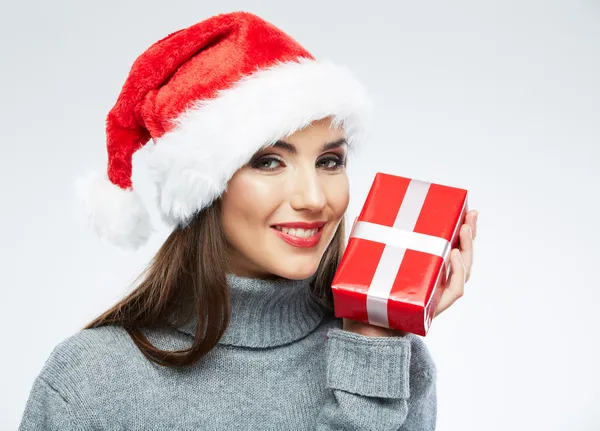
<point>300,233</point>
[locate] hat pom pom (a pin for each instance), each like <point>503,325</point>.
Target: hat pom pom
<point>116,215</point>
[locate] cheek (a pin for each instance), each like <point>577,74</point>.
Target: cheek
<point>260,191</point>
<point>247,204</point>
<point>338,194</point>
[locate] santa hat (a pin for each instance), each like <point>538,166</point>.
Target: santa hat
<point>210,96</point>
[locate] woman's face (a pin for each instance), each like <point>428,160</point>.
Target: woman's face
<point>281,210</point>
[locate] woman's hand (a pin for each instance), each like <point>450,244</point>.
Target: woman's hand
<point>461,261</point>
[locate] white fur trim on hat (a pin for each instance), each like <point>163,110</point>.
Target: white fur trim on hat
<point>192,163</point>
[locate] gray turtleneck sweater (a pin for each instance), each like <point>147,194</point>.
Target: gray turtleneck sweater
<point>283,364</point>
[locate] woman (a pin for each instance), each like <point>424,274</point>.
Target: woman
<point>232,324</point>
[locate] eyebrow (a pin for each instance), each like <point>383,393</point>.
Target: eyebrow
<point>291,148</point>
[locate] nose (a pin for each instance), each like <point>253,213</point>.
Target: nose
<point>308,193</point>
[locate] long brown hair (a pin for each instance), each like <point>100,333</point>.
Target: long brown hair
<point>187,278</point>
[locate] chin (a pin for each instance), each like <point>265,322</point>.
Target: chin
<point>297,271</point>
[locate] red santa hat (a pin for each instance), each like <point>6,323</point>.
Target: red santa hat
<point>210,96</point>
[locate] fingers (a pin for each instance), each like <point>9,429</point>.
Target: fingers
<point>455,287</point>
<point>466,249</point>
<point>461,261</point>
<point>467,236</point>
<point>471,220</point>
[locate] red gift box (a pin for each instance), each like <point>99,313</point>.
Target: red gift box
<point>397,260</point>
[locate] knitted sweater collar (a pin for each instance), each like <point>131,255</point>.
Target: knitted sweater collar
<point>267,313</point>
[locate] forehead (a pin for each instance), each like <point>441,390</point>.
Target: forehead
<point>316,134</point>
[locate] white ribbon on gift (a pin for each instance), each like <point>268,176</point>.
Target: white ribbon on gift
<point>397,240</point>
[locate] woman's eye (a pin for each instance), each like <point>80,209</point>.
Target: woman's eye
<point>266,163</point>
<point>330,162</point>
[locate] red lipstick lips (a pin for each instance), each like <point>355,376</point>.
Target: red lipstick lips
<point>297,241</point>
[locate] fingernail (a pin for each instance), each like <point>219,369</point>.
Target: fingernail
<point>470,232</point>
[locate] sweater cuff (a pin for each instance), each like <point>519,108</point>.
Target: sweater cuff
<point>369,366</point>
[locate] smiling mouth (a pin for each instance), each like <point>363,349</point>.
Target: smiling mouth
<point>307,236</point>
<point>298,232</point>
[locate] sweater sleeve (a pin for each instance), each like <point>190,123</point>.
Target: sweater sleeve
<point>46,410</point>
<point>372,386</point>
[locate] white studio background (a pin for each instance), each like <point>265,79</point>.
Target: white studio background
<point>501,98</point>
